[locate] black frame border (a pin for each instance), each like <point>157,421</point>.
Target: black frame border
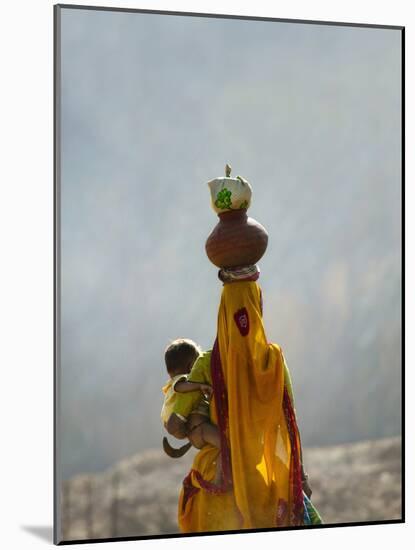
<point>57,273</point>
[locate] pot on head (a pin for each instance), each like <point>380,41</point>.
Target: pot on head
<point>236,240</point>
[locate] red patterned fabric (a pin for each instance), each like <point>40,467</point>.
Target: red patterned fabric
<point>221,399</point>
<point>188,489</point>
<point>296,485</point>
<point>242,321</point>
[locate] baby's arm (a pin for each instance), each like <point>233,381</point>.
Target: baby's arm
<point>183,387</point>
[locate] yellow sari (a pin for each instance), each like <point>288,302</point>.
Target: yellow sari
<point>260,450</point>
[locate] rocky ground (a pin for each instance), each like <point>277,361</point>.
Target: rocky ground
<point>138,496</point>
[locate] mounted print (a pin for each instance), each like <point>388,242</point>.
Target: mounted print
<point>228,274</point>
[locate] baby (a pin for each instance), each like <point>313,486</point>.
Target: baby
<point>180,357</point>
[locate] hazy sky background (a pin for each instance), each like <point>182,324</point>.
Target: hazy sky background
<point>152,108</point>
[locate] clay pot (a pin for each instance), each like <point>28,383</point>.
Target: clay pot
<point>236,240</point>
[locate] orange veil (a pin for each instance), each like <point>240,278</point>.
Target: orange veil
<point>252,406</point>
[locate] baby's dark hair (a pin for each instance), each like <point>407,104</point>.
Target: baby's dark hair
<point>178,355</point>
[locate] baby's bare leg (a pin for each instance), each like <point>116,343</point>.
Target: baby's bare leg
<point>195,434</point>
<point>201,432</point>
<point>210,434</point>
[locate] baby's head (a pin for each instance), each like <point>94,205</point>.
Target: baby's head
<point>180,356</point>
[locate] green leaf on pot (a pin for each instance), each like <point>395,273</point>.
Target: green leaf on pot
<point>223,199</point>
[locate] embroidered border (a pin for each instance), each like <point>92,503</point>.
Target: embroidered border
<point>296,486</point>
<point>221,400</point>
